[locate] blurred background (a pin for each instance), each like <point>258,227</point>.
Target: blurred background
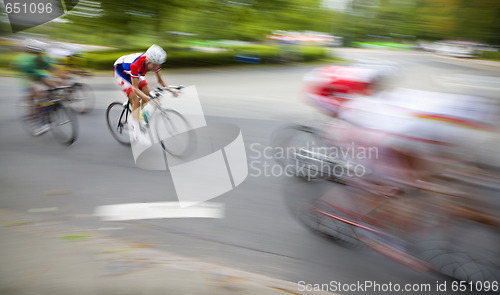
<point>221,29</point>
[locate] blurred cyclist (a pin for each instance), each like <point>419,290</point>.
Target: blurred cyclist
<point>68,60</point>
<point>38,75</point>
<point>331,86</point>
<point>420,133</point>
<point>129,73</point>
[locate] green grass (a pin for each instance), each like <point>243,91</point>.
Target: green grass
<point>490,55</point>
<point>182,56</point>
<point>16,223</point>
<point>76,237</point>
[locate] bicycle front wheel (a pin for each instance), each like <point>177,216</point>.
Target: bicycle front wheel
<point>309,203</point>
<point>173,133</point>
<point>82,98</point>
<point>29,115</point>
<point>294,147</point>
<point>117,117</point>
<point>63,124</point>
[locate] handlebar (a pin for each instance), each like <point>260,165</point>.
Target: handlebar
<point>179,87</point>
<point>59,88</point>
<point>158,91</point>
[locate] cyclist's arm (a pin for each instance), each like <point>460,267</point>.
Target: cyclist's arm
<point>137,91</point>
<point>50,64</point>
<point>162,83</point>
<point>49,81</point>
<point>53,66</point>
<point>160,79</point>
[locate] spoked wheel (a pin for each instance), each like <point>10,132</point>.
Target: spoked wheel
<point>63,124</point>
<point>306,201</point>
<point>117,119</point>
<point>30,118</point>
<point>334,223</point>
<point>294,149</point>
<point>82,98</point>
<point>174,133</point>
<point>464,251</point>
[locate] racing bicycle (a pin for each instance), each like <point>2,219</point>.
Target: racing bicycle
<point>50,113</point>
<point>168,126</point>
<point>450,225</point>
<point>82,99</point>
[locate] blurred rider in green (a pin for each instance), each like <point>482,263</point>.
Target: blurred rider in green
<point>38,74</point>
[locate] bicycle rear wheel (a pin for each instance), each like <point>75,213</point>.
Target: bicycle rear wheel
<point>63,124</point>
<point>306,201</point>
<point>82,98</point>
<point>173,133</point>
<point>117,117</point>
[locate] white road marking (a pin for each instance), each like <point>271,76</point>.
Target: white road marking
<point>159,210</point>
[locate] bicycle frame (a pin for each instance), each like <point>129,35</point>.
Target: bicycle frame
<point>126,111</point>
<point>49,100</point>
<point>48,112</point>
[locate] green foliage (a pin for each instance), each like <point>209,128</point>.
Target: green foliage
<point>180,56</point>
<point>198,59</point>
<point>310,53</point>
<point>103,60</point>
<point>126,25</point>
<point>7,59</point>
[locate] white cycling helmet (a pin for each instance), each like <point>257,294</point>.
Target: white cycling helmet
<point>156,54</point>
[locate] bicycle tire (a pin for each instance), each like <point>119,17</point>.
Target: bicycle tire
<point>117,117</point>
<point>462,250</point>
<point>288,142</point>
<point>304,200</point>
<point>82,98</point>
<point>63,124</point>
<point>174,133</point>
<point>26,118</point>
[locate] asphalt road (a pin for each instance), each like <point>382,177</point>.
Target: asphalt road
<point>65,184</point>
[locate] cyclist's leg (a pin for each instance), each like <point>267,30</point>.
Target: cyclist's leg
<point>134,118</point>
<point>125,84</point>
<point>136,114</point>
<point>36,94</point>
<point>126,87</point>
<point>144,87</point>
<point>134,99</point>
<point>29,94</point>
